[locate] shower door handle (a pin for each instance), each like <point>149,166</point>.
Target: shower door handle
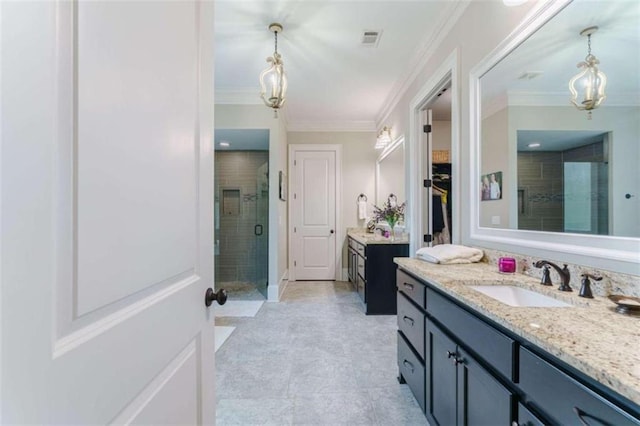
<point>257,230</point>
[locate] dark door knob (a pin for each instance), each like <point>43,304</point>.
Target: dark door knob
<point>331,231</point>
<point>220,296</point>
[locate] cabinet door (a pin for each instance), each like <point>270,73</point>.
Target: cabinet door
<point>527,418</point>
<point>482,400</point>
<point>441,395</point>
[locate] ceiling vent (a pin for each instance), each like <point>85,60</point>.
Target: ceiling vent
<point>371,38</point>
<point>530,75</point>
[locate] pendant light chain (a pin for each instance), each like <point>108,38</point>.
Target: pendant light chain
<point>588,43</point>
<point>276,33</point>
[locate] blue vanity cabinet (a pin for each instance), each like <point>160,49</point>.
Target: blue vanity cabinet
<point>460,388</point>
<point>372,271</point>
<point>455,387</point>
<point>477,372</point>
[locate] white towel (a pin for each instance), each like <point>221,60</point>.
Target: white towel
<point>450,253</point>
<point>362,209</point>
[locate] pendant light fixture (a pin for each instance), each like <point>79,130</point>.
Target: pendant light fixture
<point>587,87</point>
<point>273,80</point>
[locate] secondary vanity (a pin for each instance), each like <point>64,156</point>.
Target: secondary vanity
<point>471,359</point>
<point>370,256</point>
<point>371,269</point>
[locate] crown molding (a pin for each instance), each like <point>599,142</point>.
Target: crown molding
<point>331,126</point>
<point>628,99</point>
<point>423,53</point>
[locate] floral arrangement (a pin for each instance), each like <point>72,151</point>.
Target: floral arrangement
<point>390,211</point>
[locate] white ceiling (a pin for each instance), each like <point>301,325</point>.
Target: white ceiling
<point>335,83</point>
<point>241,139</point>
<point>557,140</point>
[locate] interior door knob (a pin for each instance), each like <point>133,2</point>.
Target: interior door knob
<point>220,296</point>
<point>331,231</point>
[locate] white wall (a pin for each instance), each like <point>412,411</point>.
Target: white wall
<point>495,156</point>
<point>441,135</point>
<point>482,26</point>
<point>358,170</point>
<point>261,117</point>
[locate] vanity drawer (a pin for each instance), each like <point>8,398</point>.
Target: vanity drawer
<point>411,287</point>
<point>411,323</point>
<point>412,370</point>
<point>491,345</point>
<point>361,269</point>
<point>563,399</point>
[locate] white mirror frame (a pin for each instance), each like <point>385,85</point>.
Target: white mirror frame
<point>619,254</point>
<point>397,143</point>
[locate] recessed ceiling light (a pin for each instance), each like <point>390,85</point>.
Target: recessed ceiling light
<point>224,143</point>
<point>534,145</point>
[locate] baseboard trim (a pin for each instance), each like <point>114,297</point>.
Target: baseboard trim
<point>275,292</point>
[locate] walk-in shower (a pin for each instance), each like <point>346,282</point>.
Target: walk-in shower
<point>242,212</point>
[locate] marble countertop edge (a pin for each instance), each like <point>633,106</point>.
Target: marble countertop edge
<point>366,238</point>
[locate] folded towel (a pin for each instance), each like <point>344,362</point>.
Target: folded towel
<point>450,253</point>
<point>362,209</point>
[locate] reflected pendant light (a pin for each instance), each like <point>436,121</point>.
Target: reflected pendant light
<point>273,80</point>
<point>587,87</point>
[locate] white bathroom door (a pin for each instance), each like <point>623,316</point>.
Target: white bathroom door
<point>314,214</point>
<point>106,221</point>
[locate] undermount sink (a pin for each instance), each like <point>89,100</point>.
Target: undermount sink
<point>520,297</point>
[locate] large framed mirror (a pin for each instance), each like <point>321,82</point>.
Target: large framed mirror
<point>390,173</point>
<point>550,177</point>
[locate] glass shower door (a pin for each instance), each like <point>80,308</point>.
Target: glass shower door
<point>586,206</point>
<point>261,230</point>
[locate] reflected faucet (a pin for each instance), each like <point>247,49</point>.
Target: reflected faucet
<point>565,275</point>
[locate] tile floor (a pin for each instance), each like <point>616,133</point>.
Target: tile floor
<point>312,359</point>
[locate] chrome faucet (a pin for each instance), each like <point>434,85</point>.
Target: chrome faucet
<point>565,275</point>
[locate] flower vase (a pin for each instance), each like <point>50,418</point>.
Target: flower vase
<point>392,232</point>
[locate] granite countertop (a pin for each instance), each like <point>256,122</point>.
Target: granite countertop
<point>365,238</point>
<point>589,336</point>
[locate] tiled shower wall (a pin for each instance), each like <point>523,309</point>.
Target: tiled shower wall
<point>236,244</point>
<point>541,188</point>
<point>540,191</point>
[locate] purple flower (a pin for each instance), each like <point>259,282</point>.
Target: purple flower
<point>389,213</point>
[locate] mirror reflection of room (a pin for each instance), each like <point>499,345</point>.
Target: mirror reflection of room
<point>565,169</point>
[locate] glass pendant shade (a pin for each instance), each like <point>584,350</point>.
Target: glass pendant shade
<point>273,80</point>
<point>587,87</point>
